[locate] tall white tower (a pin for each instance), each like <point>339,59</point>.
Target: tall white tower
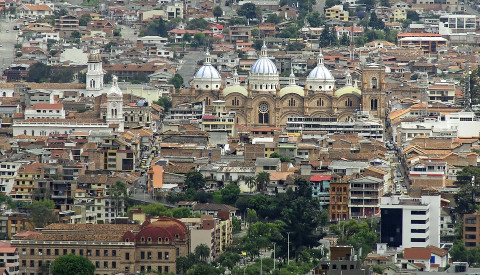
<point>115,106</point>
<point>94,73</point>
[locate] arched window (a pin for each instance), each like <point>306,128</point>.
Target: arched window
<point>149,239</point>
<point>235,101</point>
<point>92,83</point>
<point>113,113</point>
<point>127,240</point>
<point>291,102</point>
<point>320,103</point>
<point>142,239</point>
<point>320,87</point>
<point>255,86</point>
<point>4,94</point>
<point>373,104</point>
<point>206,86</point>
<point>261,86</point>
<point>348,102</point>
<point>263,110</point>
<point>374,83</point>
<point>207,101</point>
<point>159,239</point>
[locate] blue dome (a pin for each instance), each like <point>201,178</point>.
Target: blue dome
<point>320,73</point>
<point>207,72</point>
<point>264,66</point>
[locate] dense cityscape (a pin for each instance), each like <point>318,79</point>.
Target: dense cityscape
<point>209,137</point>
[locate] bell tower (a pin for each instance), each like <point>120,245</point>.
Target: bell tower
<point>94,72</point>
<point>374,90</point>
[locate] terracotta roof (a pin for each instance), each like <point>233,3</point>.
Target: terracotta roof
<point>38,7</point>
<point>280,175</point>
<point>320,177</point>
<point>417,253</point>
<point>10,85</point>
<point>55,106</point>
<point>437,251</point>
<point>213,207</point>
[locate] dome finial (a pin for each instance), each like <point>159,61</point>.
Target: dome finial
<point>235,77</point>
<point>292,78</point>
<point>320,58</point>
<point>264,50</point>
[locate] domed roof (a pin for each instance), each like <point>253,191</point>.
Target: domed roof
<point>207,71</point>
<point>264,65</point>
<point>320,72</point>
<point>348,90</point>
<point>291,89</point>
<point>235,89</point>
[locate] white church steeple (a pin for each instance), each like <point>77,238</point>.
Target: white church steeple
<point>94,76</point>
<point>115,107</point>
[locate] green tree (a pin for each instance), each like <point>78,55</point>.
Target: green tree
<point>282,158</point>
<point>255,32</point>
<point>156,27</point>
<point>176,81</point>
<point>251,216</point>
<point>331,3</point>
<point>290,31</point>
<point>258,44</point>
<point>197,24</point>
<point>250,11</point>
<point>38,72</point>
<point>314,19</point>
<point>84,19</point>
<point>230,193</point>
<point>385,3</point>
<point>238,21</point>
<point>250,182</point>
<point>358,234</point>
<point>194,181</point>
<point>75,35</point>
<point>328,37</point>
<point>273,18</point>
<point>202,251</point>
<point>295,46</point>
<point>41,213</point>
<point>344,41</point>
<point>376,22</point>
<point>72,264</point>
<point>62,75</point>
<point>107,78</point>
<point>203,268</point>
<point>369,4</point>
<point>458,252</point>
<point>465,199</point>
<point>229,259</point>
<point>199,39</point>
<point>119,193</point>
<point>187,37</point>
<point>262,179</point>
<point>165,102</point>
<point>217,12</point>
<point>413,15</point>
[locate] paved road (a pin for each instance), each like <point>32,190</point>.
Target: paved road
<point>128,33</point>
<point>470,10</point>
<point>189,62</point>
<point>7,42</point>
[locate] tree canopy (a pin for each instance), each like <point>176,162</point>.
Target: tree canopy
<point>165,102</point>
<point>72,264</point>
<point>250,11</point>
<point>230,193</point>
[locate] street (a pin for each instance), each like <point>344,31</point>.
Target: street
<point>189,63</point>
<point>8,41</point>
<point>128,33</point>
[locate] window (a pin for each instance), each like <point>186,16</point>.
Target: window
<point>235,101</point>
<point>348,102</point>
<point>263,112</point>
<point>114,253</point>
<point>166,256</point>
<point>159,255</point>
<point>127,256</point>
<point>97,253</point>
<point>149,255</point>
<point>32,263</point>
<point>105,264</point>
<point>374,104</point>
<point>65,252</point>
<point>374,83</point>
<point>57,252</point>
<point>166,269</point>
<point>320,103</point>
<point>97,264</point>
<point>105,253</point>
<point>291,102</point>
<point>114,264</point>
<point>142,255</point>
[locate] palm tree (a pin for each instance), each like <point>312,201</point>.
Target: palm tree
<point>250,182</point>
<point>262,179</point>
<point>203,252</point>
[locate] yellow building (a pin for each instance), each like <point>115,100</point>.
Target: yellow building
<point>337,12</point>
<point>220,120</point>
<point>398,15</point>
<point>25,181</point>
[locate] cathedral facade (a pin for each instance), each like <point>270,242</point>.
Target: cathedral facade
<point>262,102</point>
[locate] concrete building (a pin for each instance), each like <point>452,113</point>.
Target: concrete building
<point>337,12</point>
<point>365,194</point>
<point>457,23</point>
<point>10,258</point>
<point>471,230</point>
<point>410,222</point>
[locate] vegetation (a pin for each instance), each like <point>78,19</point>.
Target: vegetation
<point>281,157</point>
<point>250,11</point>
<point>197,24</point>
<point>314,19</point>
<point>165,102</point>
<point>41,213</point>
<point>357,234</point>
<point>158,209</point>
<point>84,19</point>
<point>230,193</point>
<point>328,37</point>
<point>72,264</point>
<point>176,81</point>
<point>217,12</point>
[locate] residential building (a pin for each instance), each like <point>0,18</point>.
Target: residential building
<point>441,92</point>
<point>240,33</point>
<point>337,12</point>
<point>429,44</point>
<point>365,194</point>
<point>457,23</point>
<point>42,110</point>
<point>112,248</point>
<point>339,192</point>
<point>321,189</point>
<point>8,173</point>
<point>66,24</point>
<point>10,258</point>
<point>471,230</point>
<point>219,120</point>
<point>410,222</point>
<point>34,11</point>
<point>428,173</point>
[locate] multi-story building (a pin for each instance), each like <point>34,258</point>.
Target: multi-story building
<point>25,181</point>
<point>428,43</point>
<point>240,33</point>
<point>457,23</point>
<point>42,110</point>
<point>220,120</point>
<point>339,192</point>
<point>8,173</point>
<point>321,189</point>
<point>337,12</point>
<point>428,174</point>
<point>365,196</point>
<point>9,257</point>
<point>441,92</point>
<point>66,24</point>
<point>471,230</point>
<point>410,222</point>
<point>112,248</point>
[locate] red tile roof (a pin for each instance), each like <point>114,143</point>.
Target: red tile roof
<point>417,253</point>
<point>320,177</point>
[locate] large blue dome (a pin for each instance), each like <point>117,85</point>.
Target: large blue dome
<point>263,66</point>
<point>207,72</point>
<point>320,73</point>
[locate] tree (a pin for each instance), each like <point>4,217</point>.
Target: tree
<point>251,216</point>
<point>413,15</point>
<point>217,12</point>
<point>176,81</point>
<point>369,4</point>
<point>314,19</point>
<point>230,193</point>
<point>359,235</point>
<point>255,32</point>
<point>38,72</point>
<point>203,268</point>
<point>84,19</point>
<point>165,102</point>
<point>75,35</point>
<point>290,31</point>
<point>465,199</point>
<point>199,39</point>
<point>385,3</point>
<point>250,182</point>
<point>262,179</point>
<point>62,75</point>
<point>72,264</point>
<point>331,3</point>
<point>250,11</point>
<point>328,37</point>
<point>273,18</point>
<point>202,251</point>
<point>197,24</point>
<point>344,41</point>
<point>376,22</point>
<point>282,158</point>
<point>295,46</point>
<point>41,213</point>
<point>258,44</point>
<point>119,194</point>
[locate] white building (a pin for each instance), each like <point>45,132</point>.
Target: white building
<point>320,78</point>
<point>8,173</point>
<point>457,23</point>
<point>115,118</point>
<point>410,222</point>
<point>34,11</point>
<point>94,73</point>
<point>43,110</point>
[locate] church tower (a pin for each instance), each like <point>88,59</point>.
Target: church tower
<point>374,90</point>
<point>115,107</point>
<point>94,73</point>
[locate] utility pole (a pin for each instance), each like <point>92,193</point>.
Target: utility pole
<point>273,256</point>
<point>288,248</point>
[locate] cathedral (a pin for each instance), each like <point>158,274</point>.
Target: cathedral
<point>262,102</point>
